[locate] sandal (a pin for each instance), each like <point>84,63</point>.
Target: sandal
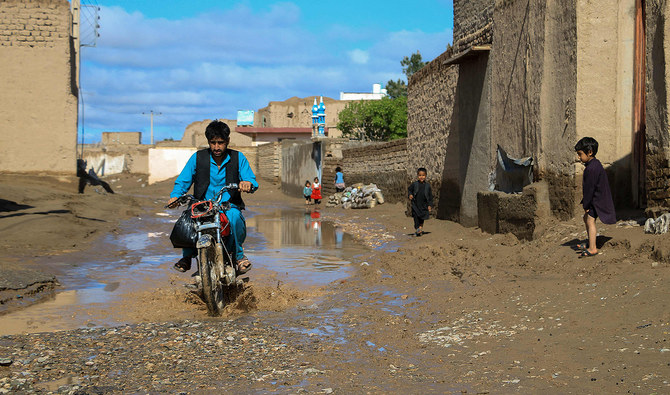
<point>582,246</point>
<point>243,265</point>
<point>587,253</point>
<point>183,265</point>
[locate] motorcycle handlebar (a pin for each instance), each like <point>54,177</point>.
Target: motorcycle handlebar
<point>183,199</point>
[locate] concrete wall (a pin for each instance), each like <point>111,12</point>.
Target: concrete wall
<point>269,162</point>
<point>166,163</point>
<point>657,105</point>
<point>300,161</point>
<point>38,102</point>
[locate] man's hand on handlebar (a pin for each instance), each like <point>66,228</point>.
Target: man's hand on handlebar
<point>172,202</point>
<point>245,186</point>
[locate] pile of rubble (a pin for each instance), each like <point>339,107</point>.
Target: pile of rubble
<point>357,196</point>
<point>659,225</point>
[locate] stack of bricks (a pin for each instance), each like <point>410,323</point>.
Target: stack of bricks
<point>473,23</point>
<point>34,23</point>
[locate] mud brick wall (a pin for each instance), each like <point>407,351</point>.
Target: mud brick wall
<point>430,107</point>
<point>38,85</point>
<point>657,108</point>
<point>473,23</point>
<point>34,23</point>
<point>269,162</point>
<point>534,90</point>
<point>524,215</point>
<point>658,184</point>
<point>384,164</point>
<point>251,153</point>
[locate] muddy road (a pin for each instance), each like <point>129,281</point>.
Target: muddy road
<point>367,308</point>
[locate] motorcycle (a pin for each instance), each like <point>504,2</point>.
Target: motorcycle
<point>218,281</point>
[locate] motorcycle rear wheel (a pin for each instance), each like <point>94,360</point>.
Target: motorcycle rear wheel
<point>210,265</point>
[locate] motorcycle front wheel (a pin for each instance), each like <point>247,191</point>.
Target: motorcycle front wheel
<point>210,264</point>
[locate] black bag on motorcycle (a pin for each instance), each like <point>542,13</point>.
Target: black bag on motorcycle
<point>184,234</point>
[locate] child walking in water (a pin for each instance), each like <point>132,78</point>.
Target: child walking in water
<point>316,191</point>
<point>597,197</point>
<point>421,200</point>
<point>307,192</point>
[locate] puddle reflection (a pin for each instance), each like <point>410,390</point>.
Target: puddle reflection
<point>300,245</point>
<point>295,244</point>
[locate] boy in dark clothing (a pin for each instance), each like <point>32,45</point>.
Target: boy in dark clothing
<point>597,197</point>
<point>421,200</point>
<point>89,178</point>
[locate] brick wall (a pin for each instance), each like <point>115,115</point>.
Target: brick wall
<point>34,23</point>
<point>121,138</point>
<point>658,184</point>
<point>269,162</point>
<point>473,23</point>
<point>657,108</point>
<point>384,164</point>
<point>430,107</point>
<point>38,85</point>
<point>251,153</point>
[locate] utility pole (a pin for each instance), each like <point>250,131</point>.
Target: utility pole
<point>151,116</point>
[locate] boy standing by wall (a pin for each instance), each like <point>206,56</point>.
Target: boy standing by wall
<point>597,197</point>
<point>421,200</point>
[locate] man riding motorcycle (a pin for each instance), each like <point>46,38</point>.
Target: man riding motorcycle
<point>208,170</point>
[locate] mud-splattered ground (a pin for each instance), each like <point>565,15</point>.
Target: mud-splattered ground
<point>451,312</point>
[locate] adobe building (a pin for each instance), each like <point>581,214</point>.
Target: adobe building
<point>295,115</point>
<point>38,104</point>
<point>533,78</point>
<point>194,134</point>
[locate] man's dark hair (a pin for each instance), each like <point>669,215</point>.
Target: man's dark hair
<point>422,169</point>
<point>586,145</point>
<point>217,129</point>
<point>338,168</point>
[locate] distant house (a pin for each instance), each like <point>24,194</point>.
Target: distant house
<point>377,94</point>
<point>261,136</point>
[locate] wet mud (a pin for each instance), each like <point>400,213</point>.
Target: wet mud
<point>127,277</point>
<point>455,311</point>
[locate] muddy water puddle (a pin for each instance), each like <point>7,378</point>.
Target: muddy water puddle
<point>120,271</point>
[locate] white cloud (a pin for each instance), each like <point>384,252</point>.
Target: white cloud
<point>217,63</point>
<point>359,56</point>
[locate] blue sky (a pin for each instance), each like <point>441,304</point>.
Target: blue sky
<point>207,59</point>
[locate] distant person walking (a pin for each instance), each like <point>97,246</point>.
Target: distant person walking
<point>316,191</point>
<point>421,200</point>
<point>597,197</point>
<point>339,180</point>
